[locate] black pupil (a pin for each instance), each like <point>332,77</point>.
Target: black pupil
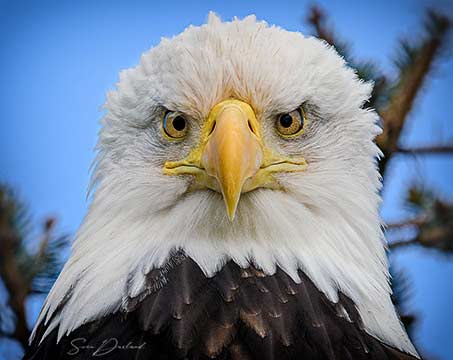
<point>179,123</point>
<point>286,120</point>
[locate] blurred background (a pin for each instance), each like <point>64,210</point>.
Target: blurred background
<point>59,58</point>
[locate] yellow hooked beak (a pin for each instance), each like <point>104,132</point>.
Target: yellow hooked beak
<point>233,153</point>
<point>231,157</point>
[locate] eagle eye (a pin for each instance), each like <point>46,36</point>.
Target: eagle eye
<point>291,124</point>
<point>174,125</point>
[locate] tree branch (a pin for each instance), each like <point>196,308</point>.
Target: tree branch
<point>7,335</point>
<point>11,274</point>
<point>411,80</point>
<point>401,243</point>
<point>316,18</point>
<point>427,150</point>
<point>418,221</point>
<point>18,289</point>
<point>44,242</point>
<point>431,238</point>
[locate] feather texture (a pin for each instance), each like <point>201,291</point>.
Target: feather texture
<point>239,313</point>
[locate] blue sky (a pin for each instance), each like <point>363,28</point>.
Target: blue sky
<point>59,58</point>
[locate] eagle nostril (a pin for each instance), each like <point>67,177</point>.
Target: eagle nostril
<point>212,129</point>
<point>250,127</point>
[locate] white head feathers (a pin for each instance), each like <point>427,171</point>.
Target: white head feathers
<point>325,223</point>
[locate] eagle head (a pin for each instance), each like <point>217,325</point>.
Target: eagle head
<point>234,141</point>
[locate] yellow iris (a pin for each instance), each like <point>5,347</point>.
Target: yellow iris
<point>231,158</point>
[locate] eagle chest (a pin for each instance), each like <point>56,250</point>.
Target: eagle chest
<point>236,314</point>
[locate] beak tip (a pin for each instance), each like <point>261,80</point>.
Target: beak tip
<point>231,211</point>
<point>231,207</point>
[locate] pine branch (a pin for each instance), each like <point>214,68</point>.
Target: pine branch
<point>317,19</point>
<point>49,264</point>
<point>22,272</point>
<point>432,238</point>
<point>7,335</point>
<point>401,243</point>
<point>43,245</point>
<point>433,224</point>
<point>427,150</point>
<point>39,262</point>
<point>417,64</point>
<point>10,272</point>
<point>418,221</point>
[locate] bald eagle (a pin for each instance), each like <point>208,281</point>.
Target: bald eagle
<point>234,213</point>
